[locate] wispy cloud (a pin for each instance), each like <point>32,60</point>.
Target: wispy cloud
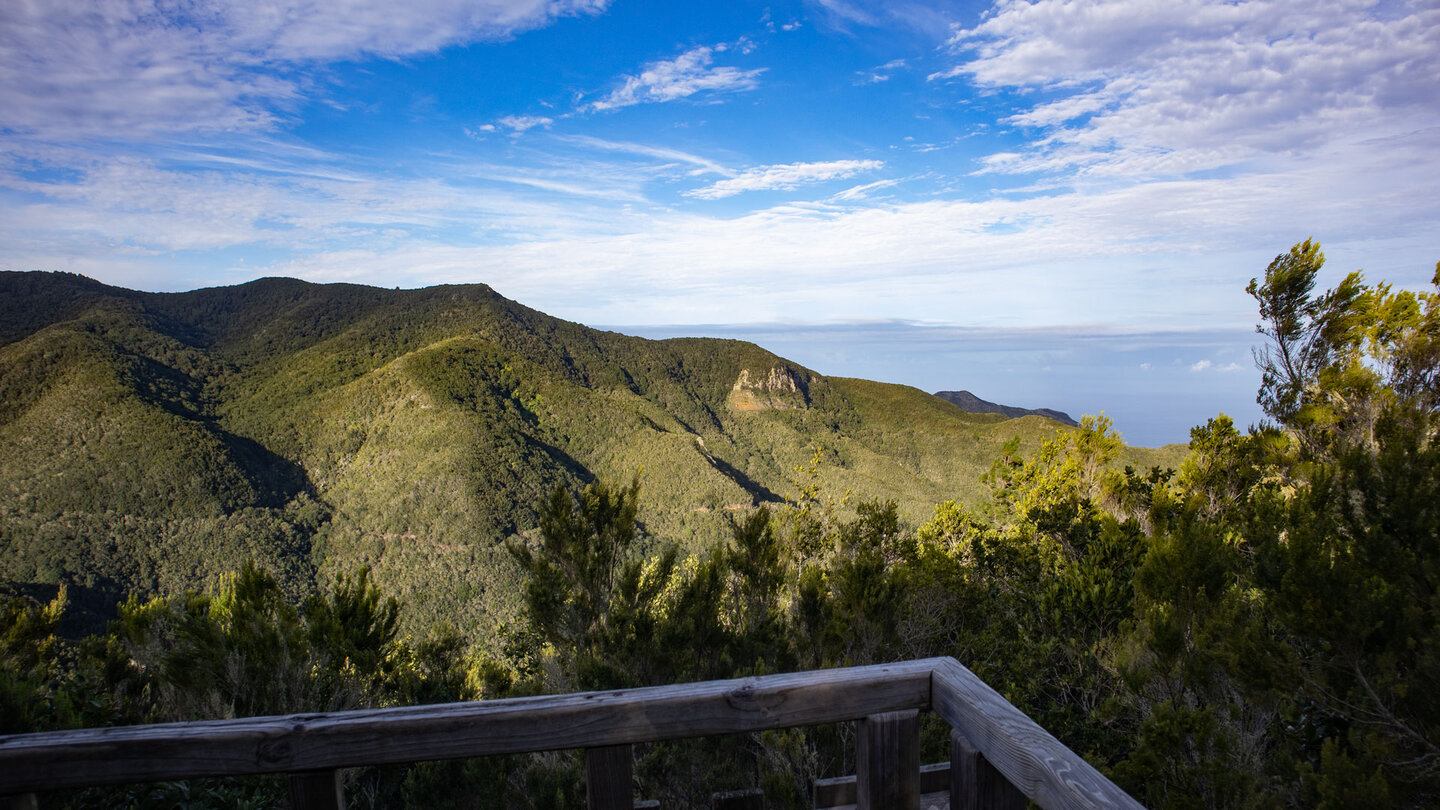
<point>684,76</point>
<point>926,18</point>
<point>702,165</point>
<point>880,73</point>
<point>784,177</point>
<point>79,68</point>
<point>520,123</point>
<point>1170,165</point>
<point>1136,88</point>
<point>863,191</point>
<point>840,12</point>
<point>1207,365</point>
<point>555,237</point>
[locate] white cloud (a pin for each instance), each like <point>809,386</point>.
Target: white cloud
<point>577,237</point>
<point>79,68</point>
<point>1207,365</point>
<point>925,18</point>
<point>520,123</point>
<point>882,73</point>
<point>702,165</point>
<point>191,201</point>
<point>839,12</point>
<point>784,177</point>
<point>862,191</point>
<point>681,77</point>
<point>1141,88</point>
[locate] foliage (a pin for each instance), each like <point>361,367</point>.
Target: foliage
<point>150,443</point>
<point>240,650</point>
<point>1256,625</point>
<point>1335,362</point>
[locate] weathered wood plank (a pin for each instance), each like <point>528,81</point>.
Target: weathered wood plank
<point>1050,774</point>
<point>293,743</point>
<point>887,761</point>
<point>974,782</point>
<point>609,778</point>
<point>840,790</point>
<point>833,792</point>
<point>747,799</point>
<point>317,790</point>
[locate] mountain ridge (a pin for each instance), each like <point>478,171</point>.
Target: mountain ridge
<point>967,401</point>
<point>151,441</point>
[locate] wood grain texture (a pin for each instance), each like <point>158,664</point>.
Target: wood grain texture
<point>887,761</point>
<point>306,742</point>
<point>316,790</point>
<point>748,799</point>
<point>609,778</point>
<point>974,782</point>
<point>1050,774</point>
<point>840,790</point>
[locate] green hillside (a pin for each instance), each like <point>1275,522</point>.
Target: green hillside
<point>150,442</point>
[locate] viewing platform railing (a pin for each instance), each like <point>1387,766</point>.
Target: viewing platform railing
<point>998,756</point>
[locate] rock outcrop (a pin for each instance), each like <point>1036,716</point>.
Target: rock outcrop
<point>782,388</point>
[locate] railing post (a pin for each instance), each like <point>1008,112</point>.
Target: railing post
<point>974,782</point>
<point>609,778</point>
<point>887,761</point>
<point>317,790</point>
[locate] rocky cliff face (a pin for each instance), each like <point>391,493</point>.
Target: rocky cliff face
<point>781,388</point>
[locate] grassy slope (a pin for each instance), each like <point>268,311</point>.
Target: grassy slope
<point>149,441</point>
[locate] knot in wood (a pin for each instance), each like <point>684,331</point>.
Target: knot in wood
<point>272,752</point>
<point>746,697</point>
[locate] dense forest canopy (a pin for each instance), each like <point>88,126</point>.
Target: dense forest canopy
<point>1257,625</point>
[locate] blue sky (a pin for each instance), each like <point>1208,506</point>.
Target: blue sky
<point>1052,203</point>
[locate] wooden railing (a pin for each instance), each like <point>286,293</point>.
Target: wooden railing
<point>998,755</point>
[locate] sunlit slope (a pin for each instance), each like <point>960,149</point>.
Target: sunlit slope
<point>149,441</point>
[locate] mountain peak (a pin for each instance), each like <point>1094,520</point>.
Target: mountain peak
<point>967,401</point>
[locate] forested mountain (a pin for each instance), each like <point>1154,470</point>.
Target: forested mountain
<point>150,442</point>
<point>967,401</point>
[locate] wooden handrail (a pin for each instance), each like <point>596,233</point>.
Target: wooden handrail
<point>1026,754</point>
<point>1029,757</point>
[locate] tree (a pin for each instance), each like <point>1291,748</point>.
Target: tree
<point>586,595</point>
<point>1336,360</point>
<point>35,694</point>
<point>1347,552</point>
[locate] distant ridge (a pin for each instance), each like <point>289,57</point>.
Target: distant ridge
<point>967,401</point>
